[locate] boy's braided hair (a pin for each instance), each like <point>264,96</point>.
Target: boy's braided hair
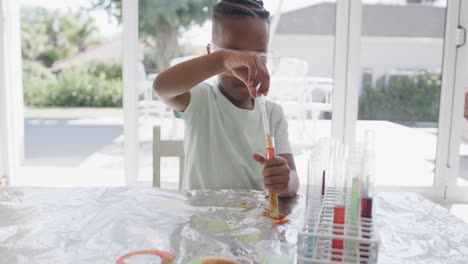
<point>240,9</point>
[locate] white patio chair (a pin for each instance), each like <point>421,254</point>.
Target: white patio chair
<point>166,148</point>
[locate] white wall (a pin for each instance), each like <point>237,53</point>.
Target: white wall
<point>386,54</point>
<point>380,54</point>
<point>317,50</point>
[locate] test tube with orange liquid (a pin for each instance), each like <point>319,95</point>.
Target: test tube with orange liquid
<point>270,153</point>
<point>274,210</point>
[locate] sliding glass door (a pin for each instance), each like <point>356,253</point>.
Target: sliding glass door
<point>402,48</point>
<point>302,82</point>
<point>72,90</point>
<point>169,32</point>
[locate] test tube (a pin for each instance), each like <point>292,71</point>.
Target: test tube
<point>324,157</point>
<point>339,210</point>
<point>274,209</point>
<point>270,153</point>
<point>368,173</point>
<point>314,179</point>
<point>354,172</point>
<point>368,191</point>
<point>314,198</point>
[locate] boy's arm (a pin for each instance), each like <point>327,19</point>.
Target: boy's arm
<point>173,85</point>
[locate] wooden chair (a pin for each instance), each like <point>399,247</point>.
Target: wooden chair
<point>166,148</point>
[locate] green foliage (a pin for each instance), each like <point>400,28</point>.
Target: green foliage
<point>88,85</point>
<point>162,21</point>
<point>405,99</point>
<point>37,81</point>
<point>159,16</point>
<point>105,69</point>
<point>149,58</point>
<point>155,16</point>
<point>48,36</point>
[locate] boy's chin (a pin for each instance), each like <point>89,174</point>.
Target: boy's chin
<point>242,93</point>
<point>239,92</point>
<point>242,89</point>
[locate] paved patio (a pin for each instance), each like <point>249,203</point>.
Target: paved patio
<point>70,148</point>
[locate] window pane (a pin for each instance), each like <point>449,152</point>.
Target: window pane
<point>401,61</point>
<point>164,43</point>
<point>72,85</point>
<point>303,84</point>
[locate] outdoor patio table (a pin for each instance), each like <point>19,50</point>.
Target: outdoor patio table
<point>98,225</point>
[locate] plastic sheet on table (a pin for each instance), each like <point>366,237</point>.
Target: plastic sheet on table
<point>413,229</point>
<point>99,225</point>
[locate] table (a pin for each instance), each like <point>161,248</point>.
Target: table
<point>98,225</point>
<point>413,229</point>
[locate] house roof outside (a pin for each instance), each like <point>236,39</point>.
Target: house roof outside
<point>110,49</point>
<point>412,21</point>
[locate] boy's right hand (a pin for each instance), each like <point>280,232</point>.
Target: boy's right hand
<point>249,68</point>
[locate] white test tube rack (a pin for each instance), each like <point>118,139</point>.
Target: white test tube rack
<point>315,244</point>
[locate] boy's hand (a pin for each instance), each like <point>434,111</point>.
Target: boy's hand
<point>276,173</point>
<point>249,68</point>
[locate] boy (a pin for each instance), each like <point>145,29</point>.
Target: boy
<point>223,122</point>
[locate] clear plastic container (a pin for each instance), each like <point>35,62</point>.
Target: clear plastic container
<point>275,252</point>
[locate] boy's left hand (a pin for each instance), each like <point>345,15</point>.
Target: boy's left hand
<point>276,173</point>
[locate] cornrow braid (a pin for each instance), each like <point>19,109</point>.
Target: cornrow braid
<point>240,9</point>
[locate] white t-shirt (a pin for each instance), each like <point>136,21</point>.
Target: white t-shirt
<point>220,140</point>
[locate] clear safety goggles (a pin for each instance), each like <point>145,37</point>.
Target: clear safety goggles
<point>271,58</point>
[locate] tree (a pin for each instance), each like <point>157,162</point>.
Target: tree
<point>405,99</point>
<point>48,36</point>
<point>83,33</point>
<point>163,21</point>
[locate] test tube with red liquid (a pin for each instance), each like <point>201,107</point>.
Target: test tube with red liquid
<point>339,210</point>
